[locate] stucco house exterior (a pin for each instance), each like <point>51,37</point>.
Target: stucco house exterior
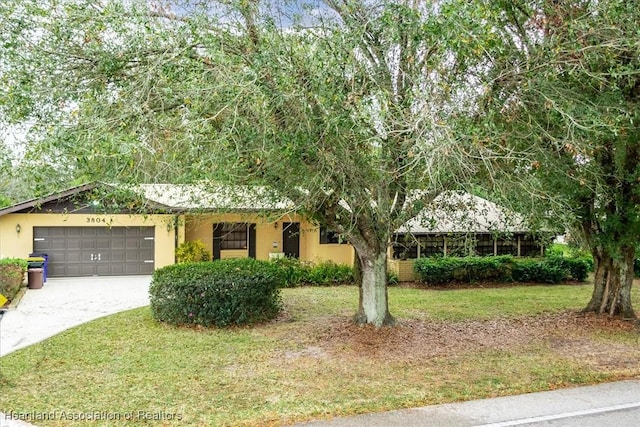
<point>84,234</point>
<point>83,238</point>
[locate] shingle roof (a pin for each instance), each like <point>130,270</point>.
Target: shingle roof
<point>450,212</point>
<point>204,197</point>
<point>454,212</point>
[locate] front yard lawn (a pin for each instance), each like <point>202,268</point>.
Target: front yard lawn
<point>313,363</point>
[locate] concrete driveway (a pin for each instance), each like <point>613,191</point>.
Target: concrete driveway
<point>64,303</point>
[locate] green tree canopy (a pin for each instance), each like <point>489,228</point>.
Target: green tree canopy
<point>568,93</point>
<point>346,108</point>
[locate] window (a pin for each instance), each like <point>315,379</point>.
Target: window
<point>484,244</point>
<point>507,246</point>
<point>330,237</point>
<point>431,244</point>
<point>460,245</point>
<point>529,246</point>
<point>405,246</point>
<point>234,235</point>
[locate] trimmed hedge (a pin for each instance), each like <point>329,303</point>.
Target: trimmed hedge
<point>216,293</point>
<point>534,270</point>
<point>439,270</point>
<point>11,276</point>
<point>553,269</point>
<point>294,272</point>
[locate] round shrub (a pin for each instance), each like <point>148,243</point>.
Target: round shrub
<point>536,270</point>
<point>216,293</point>
<point>575,268</point>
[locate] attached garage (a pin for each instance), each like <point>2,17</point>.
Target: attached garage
<point>87,231</point>
<point>96,251</point>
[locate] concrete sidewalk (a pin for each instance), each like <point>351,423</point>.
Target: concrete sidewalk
<point>603,404</point>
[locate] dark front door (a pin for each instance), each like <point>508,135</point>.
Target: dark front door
<point>291,239</point>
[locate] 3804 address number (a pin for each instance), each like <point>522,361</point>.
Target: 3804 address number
<point>96,221</point>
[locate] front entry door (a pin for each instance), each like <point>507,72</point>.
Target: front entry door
<point>291,239</point>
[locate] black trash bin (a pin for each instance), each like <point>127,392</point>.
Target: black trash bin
<point>35,278</point>
<point>44,266</point>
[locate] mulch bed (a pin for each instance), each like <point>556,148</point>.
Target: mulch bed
<point>570,334</point>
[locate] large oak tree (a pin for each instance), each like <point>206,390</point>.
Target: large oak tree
<point>342,107</point>
<point>568,91</point>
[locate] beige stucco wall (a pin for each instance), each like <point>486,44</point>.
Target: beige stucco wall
<point>268,237</point>
<point>19,245</point>
<point>316,252</point>
<point>190,227</point>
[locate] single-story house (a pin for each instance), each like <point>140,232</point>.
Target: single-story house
<point>139,230</point>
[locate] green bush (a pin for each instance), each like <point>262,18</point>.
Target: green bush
<point>575,268</point>
<point>326,273</point>
<point>440,270</point>
<point>193,251</point>
<point>392,278</point>
<point>217,293</point>
<point>329,273</point>
<point>588,261</point>
<point>11,276</point>
<point>537,270</point>
<point>552,269</point>
<point>294,272</point>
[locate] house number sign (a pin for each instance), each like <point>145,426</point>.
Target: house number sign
<point>94,220</point>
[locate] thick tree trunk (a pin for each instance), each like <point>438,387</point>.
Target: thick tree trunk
<point>613,280</point>
<point>374,302</point>
<point>621,300</point>
<point>603,265</point>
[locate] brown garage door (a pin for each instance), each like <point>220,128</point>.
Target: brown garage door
<point>96,251</point>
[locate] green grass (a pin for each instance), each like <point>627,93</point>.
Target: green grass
<point>285,371</point>
<point>463,304</point>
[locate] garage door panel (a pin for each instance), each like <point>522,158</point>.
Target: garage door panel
<point>117,257</point>
<point>88,246</point>
<point>57,231</point>
<point>68,270</point>
<point>131,243</point>
<point>103,244</point>
<point>69,232</point>
<point>86,251</point>
<point>107,270</point>
<point>68,244</point>
<point>71,257</point>
<point>117,244</point>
